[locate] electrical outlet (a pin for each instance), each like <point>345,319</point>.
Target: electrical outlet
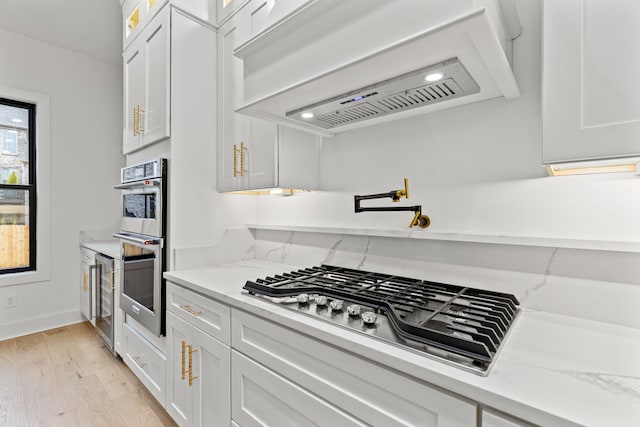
<point>12,300</point>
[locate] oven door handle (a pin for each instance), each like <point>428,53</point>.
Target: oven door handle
<point>145,242</point>
<point>142,183</point>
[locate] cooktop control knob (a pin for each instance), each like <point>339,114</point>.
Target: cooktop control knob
<point>303,298</point>
<point>369,318</point>
<point>336,305</point>
<point>321,300</point>
<point>353,310</point>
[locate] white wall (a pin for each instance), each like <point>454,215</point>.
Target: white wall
<point>475,169</point>
<point>86,138</point>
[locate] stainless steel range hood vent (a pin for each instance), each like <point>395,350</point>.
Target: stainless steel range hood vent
<point>401,93</point>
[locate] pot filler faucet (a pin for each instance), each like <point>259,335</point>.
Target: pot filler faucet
<point>419,219</point>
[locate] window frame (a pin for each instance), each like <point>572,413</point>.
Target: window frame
<point>31,187</point>
<point>42,170</point>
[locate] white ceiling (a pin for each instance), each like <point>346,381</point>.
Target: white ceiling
<point>91,27</point>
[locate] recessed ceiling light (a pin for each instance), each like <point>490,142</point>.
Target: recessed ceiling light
<point>307,115</point>
<point>16,120</point>
<point>433,77</point>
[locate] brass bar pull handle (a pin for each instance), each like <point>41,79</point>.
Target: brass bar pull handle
<point>184,371</point>
<point>235,160</point>
<point>140,112</point>
<point>243,148</point>
<point>112,287</point>
<point>135,121</point>
<point>85,287</point>
<point>191,376</point>
<point>188,309</point>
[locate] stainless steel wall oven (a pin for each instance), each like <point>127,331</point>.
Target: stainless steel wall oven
<point>142,236</point>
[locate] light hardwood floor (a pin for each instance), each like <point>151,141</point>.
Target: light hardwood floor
<point>66,377</point>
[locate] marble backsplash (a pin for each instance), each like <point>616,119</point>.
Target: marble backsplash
<point>592,284</point>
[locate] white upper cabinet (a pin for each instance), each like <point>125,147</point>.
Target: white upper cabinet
<point>254,153</point>
<point>591,107</point>
<point>146,64</point>
<point>136,14</point>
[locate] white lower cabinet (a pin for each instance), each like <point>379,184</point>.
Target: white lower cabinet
<point>368,392</point>
<point>146,361</point>
<point>271,375</point>
<point>198,392</point>
<point>262,398</point>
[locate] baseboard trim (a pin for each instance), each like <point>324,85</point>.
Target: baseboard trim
<point>39,324</point>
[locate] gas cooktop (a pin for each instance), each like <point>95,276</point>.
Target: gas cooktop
<point>459,325</point>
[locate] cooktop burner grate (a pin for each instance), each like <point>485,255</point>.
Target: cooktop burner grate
<point>467,322</point>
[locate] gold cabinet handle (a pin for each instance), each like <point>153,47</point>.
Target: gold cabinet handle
<point>112,280</point>
<point>184,371</point>
<point>136,118</point>
<point>188,309</point>
<point>243,148</point>
<point>191,377</point>
<point>235,160</point>
<point>85,287</point>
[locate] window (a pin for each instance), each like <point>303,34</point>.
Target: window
<point>17,186</point>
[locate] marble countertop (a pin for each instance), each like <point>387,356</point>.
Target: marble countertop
<point>551,369</point>
<point>108,247</point>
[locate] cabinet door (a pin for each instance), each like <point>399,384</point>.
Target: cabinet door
<point>118,314</point>
<point>155,108</point>
<point>212,387</point>
<point>133,69</point>
<point>132,16</point>
<point>147,362</point>
<point>260,136</point>
<point>85,291</point>
<point>230,124</point>
<point>262,398</point>
<point>590,105</point>
<point>261,155</point>
<point>179,397</point>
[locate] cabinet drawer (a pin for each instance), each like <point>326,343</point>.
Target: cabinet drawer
<point>371,393</point>
<point>262,398</point>
<point>200,311</point>
<point>87,256</point>
<point>492,418</point>
<point>146,362</point>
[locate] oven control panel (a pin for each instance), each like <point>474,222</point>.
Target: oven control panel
<point>153,169</point>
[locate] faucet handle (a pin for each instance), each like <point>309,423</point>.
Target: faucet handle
<point>422,221</point>
<point>402,193</point>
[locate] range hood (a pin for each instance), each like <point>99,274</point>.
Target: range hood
<point>427,86</point>
<point>462,60</point>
